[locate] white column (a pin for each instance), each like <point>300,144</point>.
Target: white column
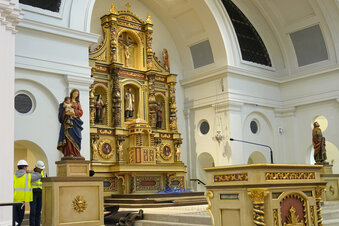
<point>289,145</point>
<point>188,148</point>
<point>9,17</point>
<point>236,126</point>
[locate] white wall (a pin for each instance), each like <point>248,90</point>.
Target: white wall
<point>54,62</point>
<point>9,17</point>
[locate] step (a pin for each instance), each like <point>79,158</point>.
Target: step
<point>179,218</point>
<point>158,195</point>
<point>155,205</point>
<point>162,223</point>
<point>155,200</point>
<point>330,204</point>
<point>330,213</point>
<point>332,222</point>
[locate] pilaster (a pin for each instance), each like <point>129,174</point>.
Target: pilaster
<point>10,15</point>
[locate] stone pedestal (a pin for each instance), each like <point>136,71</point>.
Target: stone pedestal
<point>72,168</point>
<point>332,189</point>
<point>72,198</point>
<point>265,194</point>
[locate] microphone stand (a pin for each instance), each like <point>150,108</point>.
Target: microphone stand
<point>247,142</point>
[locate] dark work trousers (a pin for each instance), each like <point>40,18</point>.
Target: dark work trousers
<point>18,213</point>
<point>35,206</point>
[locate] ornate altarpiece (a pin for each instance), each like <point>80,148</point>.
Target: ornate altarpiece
<point>134,137</point>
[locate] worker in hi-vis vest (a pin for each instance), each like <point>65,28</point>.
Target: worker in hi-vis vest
<point>36,204</point>
<point>23,179</point>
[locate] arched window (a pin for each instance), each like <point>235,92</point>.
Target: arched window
<point>251,46</point>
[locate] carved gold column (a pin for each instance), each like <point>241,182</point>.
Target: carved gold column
<point>116,98</point>
<point>113,34</point>
<point>157,143</point>
<point>318,193</point>
<point>92,106</point>
<point>258,198</point>
<point>209,196</point>
<point>171,80</point>
<point>151,100</point>
<point>177,144</point>
<point>149,38</point>
<point>120,151</point>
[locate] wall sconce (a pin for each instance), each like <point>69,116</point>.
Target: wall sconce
<point>219,137</point>
<point>281,130</point>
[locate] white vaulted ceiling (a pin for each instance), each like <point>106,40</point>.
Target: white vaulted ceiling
<point>193,21</point>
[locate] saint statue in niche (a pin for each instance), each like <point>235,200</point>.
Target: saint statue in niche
<point>319,145</point>
<point>129,103</point>
<point>159,116</point>
<point>127,43</point>
<point>99,109</point>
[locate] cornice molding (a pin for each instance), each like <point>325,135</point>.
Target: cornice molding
<point>231,70</point>
<point>36,64</point>
<point>284,112</point>
<point>61,31</point>
<point>80,82</point>
<point>10,14</point>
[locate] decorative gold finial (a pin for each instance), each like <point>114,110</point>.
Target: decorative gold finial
<point>148,19</point>
<point>112,10</point>
<point>128,6</point>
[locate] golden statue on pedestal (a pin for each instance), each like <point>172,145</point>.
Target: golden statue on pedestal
<point>133,109</point>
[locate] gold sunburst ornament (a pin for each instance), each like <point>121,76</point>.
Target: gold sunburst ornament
<point>79,204</point>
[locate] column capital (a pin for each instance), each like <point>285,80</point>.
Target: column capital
<point>10,14</point>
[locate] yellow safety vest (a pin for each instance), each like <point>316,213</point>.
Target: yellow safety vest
<point>38,183</point>
<point>23,188</point>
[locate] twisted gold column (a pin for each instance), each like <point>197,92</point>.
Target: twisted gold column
<point>258,197</point>
<point>318,192</point>
<point>209,196</point>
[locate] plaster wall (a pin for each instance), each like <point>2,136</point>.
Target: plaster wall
<point>53,63</point>
<point>305,116</point>
<point>320,86</point>
<point>9,17</point>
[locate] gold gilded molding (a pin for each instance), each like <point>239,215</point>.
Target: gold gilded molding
<point>106,149</point>
<point>319,191</point>
<point>148,19</point>
<point>293,218</point>
<point>112,184</point>
<point>112,10</point>
<point>258,198</point>
<point>257,195</point>
<point>166,151</point>
<point>102,57</point>
<point>269,176</point>
<point>231,177</point>
<point>312,216</point>
<point>275,217</point>
<point>79,204</point>
<point>303,201</point>
<point>209,196</point>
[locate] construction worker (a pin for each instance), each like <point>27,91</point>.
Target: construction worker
<point>36,204</point>
<point>23,179</point>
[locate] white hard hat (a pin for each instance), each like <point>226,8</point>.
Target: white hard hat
<point>40,164</point>
<point>22,163</point>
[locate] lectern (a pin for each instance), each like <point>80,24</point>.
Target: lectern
<point>265,194</point>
